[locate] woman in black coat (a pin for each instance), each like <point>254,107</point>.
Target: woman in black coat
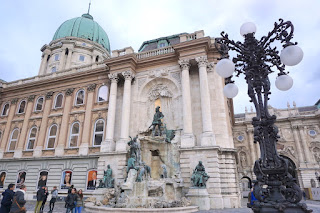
<point>7,199</point>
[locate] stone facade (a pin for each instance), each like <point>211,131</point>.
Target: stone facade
<point>299,142</point>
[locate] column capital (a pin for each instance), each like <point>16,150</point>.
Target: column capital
<point>69,91</point>
<point>202,61</point>
<point>128,75</point>
<point>49,95</point>
<point>113,77</point>
<point>31,98</point>
<point>184,63</point>
<point>210,66</point>
<point>91,87</point>
<point>14,101</point>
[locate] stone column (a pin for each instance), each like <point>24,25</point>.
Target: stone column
<point>207,137</point>
<point>109,144</point>
<point>23,135</point>
<point>85,142</point>
<point>37,152</point>
<point>63,129</point>
<point>305,146</point>
<point>297,143</point>
<point>44,62</point>
<point>62,60</point>
<point>187,139</point>
<point>125,118</point>
<point>5,137</point>
<point>251,145</point>
<point>69,58</point>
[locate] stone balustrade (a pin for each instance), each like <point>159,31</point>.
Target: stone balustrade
<point>155,52</point>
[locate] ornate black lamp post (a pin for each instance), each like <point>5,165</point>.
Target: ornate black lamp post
<point>275,188</point>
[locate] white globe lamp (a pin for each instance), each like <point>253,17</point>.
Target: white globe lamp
<point>291,55</point>
<point>225,68</point>
<point>248,27</point>
<point>230,90</point>
<point>284,82</point>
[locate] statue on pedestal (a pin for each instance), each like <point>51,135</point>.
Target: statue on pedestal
<point>164,171</point>
<point>199,176</point>
<point>135,148</point>
<point>107,178</point>
<point>157,122</point>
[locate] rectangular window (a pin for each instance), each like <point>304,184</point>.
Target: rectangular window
<point>81,58</point>
<point>53,69</point>
<point>56,57</point>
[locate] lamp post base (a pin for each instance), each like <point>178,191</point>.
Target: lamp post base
<point>273,207</point>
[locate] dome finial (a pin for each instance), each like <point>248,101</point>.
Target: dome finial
<point>89,7</point>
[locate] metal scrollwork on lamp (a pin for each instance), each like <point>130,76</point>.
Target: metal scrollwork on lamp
<point>275,188</point>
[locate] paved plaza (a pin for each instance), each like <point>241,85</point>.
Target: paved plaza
<point>59,208</point>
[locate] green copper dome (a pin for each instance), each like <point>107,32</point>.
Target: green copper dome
<point>83,27</point>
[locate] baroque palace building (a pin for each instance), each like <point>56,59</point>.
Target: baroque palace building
<point>65,125</point>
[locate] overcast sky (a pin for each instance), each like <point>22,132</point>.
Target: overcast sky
<point>28,25</point>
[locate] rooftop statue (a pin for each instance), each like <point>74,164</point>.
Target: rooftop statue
<point>199,176</point>
<point>157,122</point>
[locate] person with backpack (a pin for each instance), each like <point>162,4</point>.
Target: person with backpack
<point>44,200</point>
<point>79,206</point>
<point>40,198</point>
<point>7,199</point>
<point>19,201</point>
<point>54,196</point>
<point>71,201</point>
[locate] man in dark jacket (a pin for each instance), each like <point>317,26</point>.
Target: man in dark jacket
<point>71,201</point>
<point>7,199</point>
<point>18,200</point>
<point>40,198</point>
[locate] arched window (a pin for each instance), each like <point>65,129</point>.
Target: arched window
<point>58,101</point>
<point>22,106</point>
<point>103,94</point>
<point>52,136</point>
<point>80,97</point>
<point>31,138</point>
<point>5,109</point>
<point>13,140</point>
<point>98,133</point>
<point>74,135</point>
<point>39,104</point>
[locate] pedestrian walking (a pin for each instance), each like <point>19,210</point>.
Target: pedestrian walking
<point>40,197</point>
<point>54,196</point>
<point>44,200</point>
<point>7,197</point>
<point>19,201</point>
<point>79,201</point>
<point>71,201</point>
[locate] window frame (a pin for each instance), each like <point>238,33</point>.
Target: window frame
<point>35,107</point>
<point>57,57</point>
<point>53,69</point>
<point>3,109</point>
<point>48,137</point>
<point>76,98</point>
<point>94,132</point>
<point>10,140</point>
<point>99,93</point>
<point>55,101</point>
<point>25,105</point>
<point>80,56</point>
<point>71,135</point>
<point>29,138</point>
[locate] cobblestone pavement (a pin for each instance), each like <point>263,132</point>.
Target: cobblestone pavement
<point>59,207</point>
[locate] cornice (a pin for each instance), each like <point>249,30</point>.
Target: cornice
<point>193,47</point>
<point>122,63</point>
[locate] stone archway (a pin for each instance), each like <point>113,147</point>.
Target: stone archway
<point>246,185</point>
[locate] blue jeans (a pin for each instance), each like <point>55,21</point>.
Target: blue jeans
<point>71,210</point>
<point>78,209</point>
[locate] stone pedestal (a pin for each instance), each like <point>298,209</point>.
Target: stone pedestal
<point>199,197</point>
<point>208,139</point>
<point>187,141</point>
<point>132,176</point>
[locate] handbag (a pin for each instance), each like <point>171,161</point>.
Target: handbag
<point>21,209</point>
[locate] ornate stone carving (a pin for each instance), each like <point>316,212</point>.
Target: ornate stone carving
<point>31,98</point>
<point>202,61</point>
<point>113,77</point>
<point>176,75</point>
<point>243,159</point>
<point>14,101</point>
<point>184,64</point>
<point>210,66</point>
<point>69,91</point>
<point>91,87</point>
<point>49,95</point>
<point>141,82</point>
<point>159,90</point>
<point>158,73</point>
<point>128,75</point>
